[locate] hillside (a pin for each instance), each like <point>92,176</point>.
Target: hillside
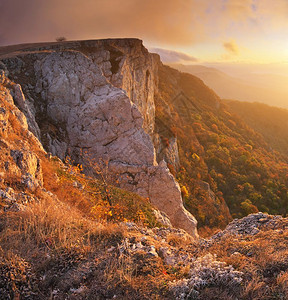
<point>217,147</point>
<point>60,238</point>
<point>97,105</point>
<point>56,224</point>
<point>270,122</point>
<point>223,166</point>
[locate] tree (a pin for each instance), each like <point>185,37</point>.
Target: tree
<point>61,39</point>
<point>248,207</point>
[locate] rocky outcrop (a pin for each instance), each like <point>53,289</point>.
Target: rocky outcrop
<point>125,63</point>
<point>19,164</point>
<point>95,115</point>
<point>167,149</point>
<point>87,114</point>
<point>252,225</point>
<point>128,65</point>
<point>24,106</point>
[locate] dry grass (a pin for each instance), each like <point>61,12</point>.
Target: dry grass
<point>206,232</point>
<point>262,258</point>
<point>58,235</point>
<point>140,277</point>
<point>61,182</point>
<point>54,225</point>
<point>178,241</point>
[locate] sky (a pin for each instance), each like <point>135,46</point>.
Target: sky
<point>186,31</point>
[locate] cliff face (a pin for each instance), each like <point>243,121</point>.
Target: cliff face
<point>95,100</point>
<point>20,164</point>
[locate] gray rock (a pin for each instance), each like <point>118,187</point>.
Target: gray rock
<point>30,167</point>
<point>104,101</point>
<point>22,104</point>
<point>250,225</point>
<point>162,218</point>
<point>152,251</point>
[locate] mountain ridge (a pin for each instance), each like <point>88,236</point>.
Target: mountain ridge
<point>248,87</point>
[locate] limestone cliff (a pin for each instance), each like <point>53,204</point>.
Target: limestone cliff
<point>98,97</point>
<point>20,164</point>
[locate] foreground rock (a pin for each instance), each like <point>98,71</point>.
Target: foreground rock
<point>252,224</point>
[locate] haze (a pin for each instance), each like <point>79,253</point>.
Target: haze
<point>245,39</point>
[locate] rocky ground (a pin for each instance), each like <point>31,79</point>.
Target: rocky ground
<point>247,260</point>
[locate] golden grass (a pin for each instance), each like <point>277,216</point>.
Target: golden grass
<point>178,241</point>
<point>263,259</point>
<point>282,282</point>
<point>52,224</point>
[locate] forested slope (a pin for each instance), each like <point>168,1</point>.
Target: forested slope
<point>217,146</point>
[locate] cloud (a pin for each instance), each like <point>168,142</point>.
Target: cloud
<point>163,21</point>
<point>231,47</point>
<point>239,10</point>
<point>273,13</point>
<point>170,56</point>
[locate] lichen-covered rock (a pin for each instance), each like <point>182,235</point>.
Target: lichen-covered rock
<point>97,116</point>
<point>205,272</point>
<point>251,225</point>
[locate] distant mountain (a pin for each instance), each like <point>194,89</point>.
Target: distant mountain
<point>266,88</point>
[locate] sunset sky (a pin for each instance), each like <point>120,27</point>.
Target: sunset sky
<point>243,31</point>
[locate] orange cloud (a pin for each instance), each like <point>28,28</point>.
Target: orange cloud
<point>165,23</point>
<point>231,47</point>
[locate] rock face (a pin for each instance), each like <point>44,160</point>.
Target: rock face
<point>168,152</point>
<point>96,115</point>
<point>82,108</point>
<point>130,66</point>
<point>18,161</point>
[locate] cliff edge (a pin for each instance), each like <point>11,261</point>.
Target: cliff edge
<point>94,101</point>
